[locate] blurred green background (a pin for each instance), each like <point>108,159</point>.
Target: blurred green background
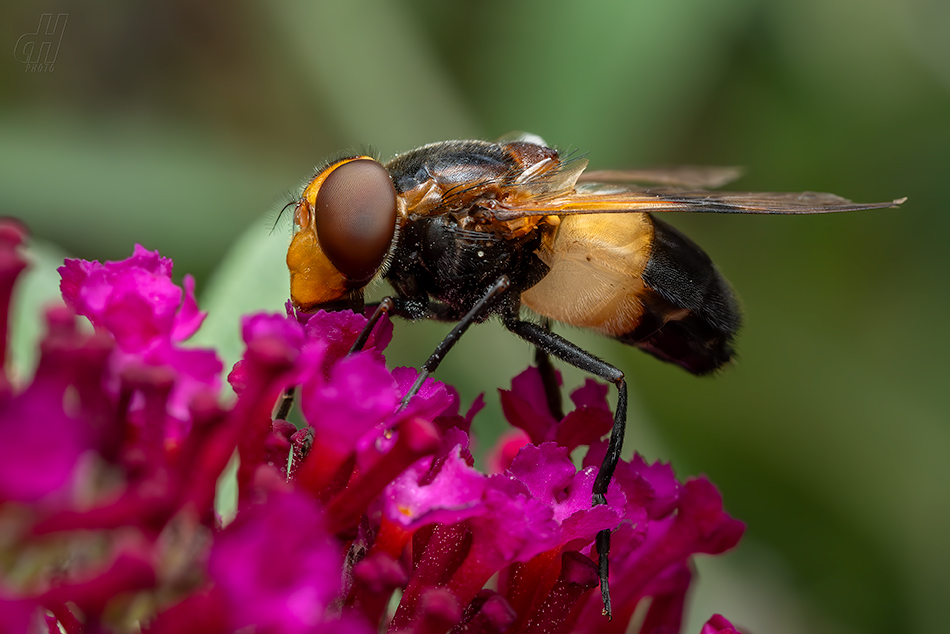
<point>184,125</point>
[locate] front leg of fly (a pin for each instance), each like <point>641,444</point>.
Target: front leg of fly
<point>478,313</point>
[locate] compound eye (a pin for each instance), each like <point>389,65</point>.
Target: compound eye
<point>355,213</point>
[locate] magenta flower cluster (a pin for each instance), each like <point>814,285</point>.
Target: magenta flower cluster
<point>371,518</point>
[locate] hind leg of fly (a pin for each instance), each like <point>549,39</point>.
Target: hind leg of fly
<point>549,343</point>
<point>552,390</point>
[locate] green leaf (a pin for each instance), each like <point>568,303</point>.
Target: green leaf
<point>37,288</point>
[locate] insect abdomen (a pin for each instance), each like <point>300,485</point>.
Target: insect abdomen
<point>595,264</point>
<point>640,281</point>
<point>690,314</point>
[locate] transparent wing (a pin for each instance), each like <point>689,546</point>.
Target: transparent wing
<point>520,136</point>
<point>598,198</point>
<point>689,176</point>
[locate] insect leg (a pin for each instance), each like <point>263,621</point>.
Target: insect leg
<point>552,391</point>
<point>285,403</point>
<point>480,310</point>
<point>555,345</point>
<point>385,305</point>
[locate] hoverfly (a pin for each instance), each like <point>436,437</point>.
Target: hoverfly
<point>464,230</point>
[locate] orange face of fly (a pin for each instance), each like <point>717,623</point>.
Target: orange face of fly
<point>345,222</point>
